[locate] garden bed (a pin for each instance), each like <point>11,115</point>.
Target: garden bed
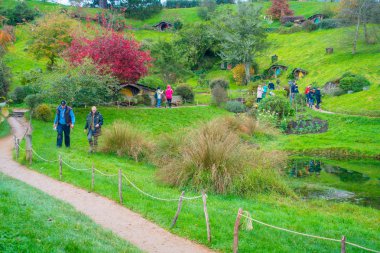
<point>307,126</point>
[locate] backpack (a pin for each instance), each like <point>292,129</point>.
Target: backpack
<point>155,95</point>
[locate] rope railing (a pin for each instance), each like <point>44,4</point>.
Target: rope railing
<point>157,198</point>
<point>308,235</point>
<point>197,197</point>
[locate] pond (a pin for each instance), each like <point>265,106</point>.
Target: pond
<point>356,181</point>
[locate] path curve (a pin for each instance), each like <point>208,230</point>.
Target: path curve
<point>107,213</point>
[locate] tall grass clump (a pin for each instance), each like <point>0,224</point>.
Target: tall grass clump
<point>122,139</point>
<point>214,158</point>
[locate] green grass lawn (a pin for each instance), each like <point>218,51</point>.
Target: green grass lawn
<point>5,129</point>
<point>32,221</point>
<point>347,136</point>
<point>359,224</point>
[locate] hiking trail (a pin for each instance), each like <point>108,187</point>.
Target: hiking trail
<point>128,225</point>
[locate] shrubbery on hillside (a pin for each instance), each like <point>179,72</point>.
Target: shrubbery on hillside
<point>19,14</point>
<point>353,82</point>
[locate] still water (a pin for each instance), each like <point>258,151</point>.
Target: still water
<point>355,181</point>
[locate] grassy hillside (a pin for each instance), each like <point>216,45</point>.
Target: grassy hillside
<point>32,221</point>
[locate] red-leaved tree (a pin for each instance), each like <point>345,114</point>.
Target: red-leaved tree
<point>280,8</point>
<point>114,54</point>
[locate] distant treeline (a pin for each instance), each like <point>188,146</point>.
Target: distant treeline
<point>191,3</point>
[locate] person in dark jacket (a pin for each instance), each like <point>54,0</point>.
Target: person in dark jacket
<point>94,122</point>
<point>63,122</point>
<point>318,96</point>
<point>271,86</point>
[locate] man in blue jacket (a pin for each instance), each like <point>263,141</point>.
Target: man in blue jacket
<point>63,122</point>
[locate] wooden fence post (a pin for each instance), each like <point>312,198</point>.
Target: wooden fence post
<point>92,178</point>
<point>17,148</point>
<point>28,149</point>
<point>60,167</point>
<point>120,188</point>
<point>236,231</point>
<point>206,216</point>
<point>343,245</point>
<point>178,209</point>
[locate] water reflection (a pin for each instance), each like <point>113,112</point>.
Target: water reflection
<point>303,168</point>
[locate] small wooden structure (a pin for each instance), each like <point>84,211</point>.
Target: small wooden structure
<point>293,19</point>
<point>163,25</point>
<point>298,73</point>
<point>274,58</point>
<point>275,70</point>
<point>329,50</point>
<point>131,90</point>
<point>316,18</point>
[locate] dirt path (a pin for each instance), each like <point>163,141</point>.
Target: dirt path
<point>344,114</point>
<point>127,224</point>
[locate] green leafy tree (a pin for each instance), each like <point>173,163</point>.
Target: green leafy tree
<point>194,41</point>
<point>50,37</point>
<point>141,9</point>
<point>20,13</point>
<point>241,35</point>
<point>169,61</point>
<point>5,79</point>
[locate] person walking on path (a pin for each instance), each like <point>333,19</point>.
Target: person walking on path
<point>94,122</point>
<point>259,93</point>
<point>307,91</point>
<point>159,93</point>
<point>271,85</point>
<point>311,98</point>
<point>294,91</point>
<point>318,96</point>
<point>169,95</point>
<point>265,90</point>
<point>63,122</point>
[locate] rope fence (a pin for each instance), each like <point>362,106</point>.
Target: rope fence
<point>241,213</point>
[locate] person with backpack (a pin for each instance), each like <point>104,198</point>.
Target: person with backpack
<point>318,96</point>
<point>311,98</point>
<point>94,122</point>
<point>265,90</point>
<point>158,97</point>
<point>271,85</point>
<point>64,121</point>
<point>169,95</point>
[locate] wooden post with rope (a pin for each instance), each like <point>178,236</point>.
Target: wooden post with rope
<point>178,209</point>
<point>17,148</point>
<point>120,187</point>
<point>60,167</point>
<point>236,231</point>
<point>92,178</point>
<point>343,245</point>
<point>28,148</point>
<point>206,216</point>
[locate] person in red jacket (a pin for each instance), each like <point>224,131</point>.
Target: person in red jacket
<point>169,95</point>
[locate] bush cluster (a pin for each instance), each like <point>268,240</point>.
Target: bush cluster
<point>43,112</point>
<point>276,104</point>
<point>235,107</point>
<point>186,92</point>
<point>353,82</point>
<point>123,139</point>
<point>20,13</point>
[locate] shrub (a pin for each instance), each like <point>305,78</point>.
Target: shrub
<point>123,139</point>
<point>5,79</point>
<point>309,26</point>
<point>214,158</point>
<point>239,73</point>
<point>18,95</point>
<point>281,93</point>
<point>186,92</point>
<point>178,25</point>
<point>235,107</point>
<point>276,104</point>
<point>223,83</point>
<point>330,23</point>
<point>20,13</point>
<point>219,95</point>
<point>43,112</point>
<point>33,100</point>
<point>288,24</point>
<point>354,83</point>
<point>152,82</point>
<point>144,100</point>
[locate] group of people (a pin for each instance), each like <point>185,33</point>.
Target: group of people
<point>65,119</point>
<point>159,95</point>
<point>263,90</point>
<point>313,95</point>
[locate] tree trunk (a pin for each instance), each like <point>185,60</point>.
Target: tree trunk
<point>247,67</point>
<point>356,33</point>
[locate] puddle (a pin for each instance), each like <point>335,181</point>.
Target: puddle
<point>356,182</point>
